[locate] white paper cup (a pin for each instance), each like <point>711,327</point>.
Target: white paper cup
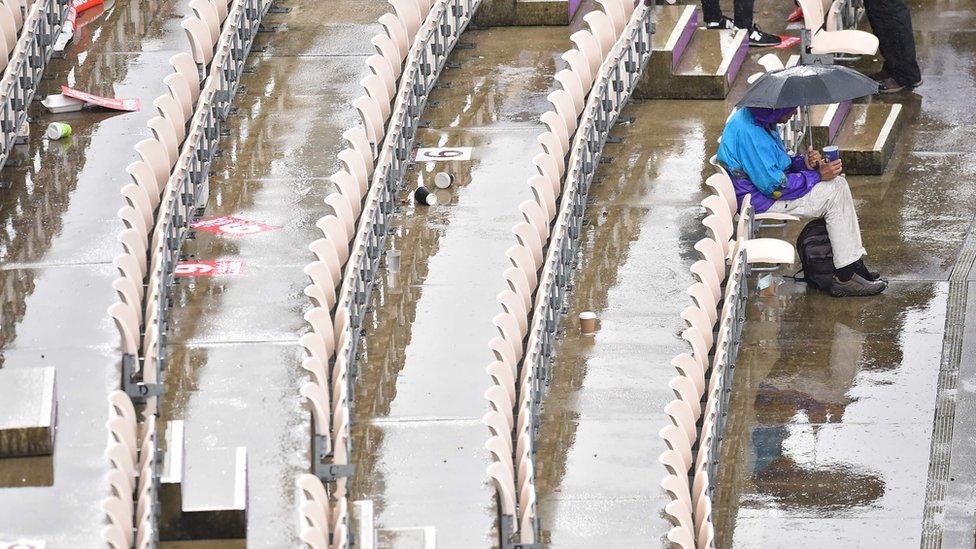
<point>443,180</point>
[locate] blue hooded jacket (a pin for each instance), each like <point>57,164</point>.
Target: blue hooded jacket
<point>756,158</point>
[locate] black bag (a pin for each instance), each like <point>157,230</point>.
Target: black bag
<point>816,255</point>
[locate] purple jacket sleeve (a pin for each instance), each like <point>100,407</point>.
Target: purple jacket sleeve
<point>798,163</point>
<point>799,184</point>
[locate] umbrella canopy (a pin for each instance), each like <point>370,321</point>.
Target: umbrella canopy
<point>804,85</point>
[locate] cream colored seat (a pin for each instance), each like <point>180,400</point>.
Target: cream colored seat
<point>823,41</point>
<point>588,45</point>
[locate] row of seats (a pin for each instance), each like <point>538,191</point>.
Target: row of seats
<point>718,297</point>
<point>12,15</point>
<point>510,418</point>
<point>131,452</point>
<point>147,203</point>
<point>324,524</point>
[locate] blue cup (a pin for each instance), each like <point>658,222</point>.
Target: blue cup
<point>831,153</point>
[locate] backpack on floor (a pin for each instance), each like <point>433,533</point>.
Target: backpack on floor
<point>816,255</point>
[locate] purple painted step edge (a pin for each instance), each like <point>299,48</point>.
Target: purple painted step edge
<point>843,108</point>
<point>684,39</point>
<point>736,64</point>
<point>573,6</point>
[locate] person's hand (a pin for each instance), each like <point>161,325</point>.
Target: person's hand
<point>830,170</point>
<point>813,158</point>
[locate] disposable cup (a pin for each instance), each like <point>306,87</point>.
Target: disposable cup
<point>57,130</point>
<point>443,180</point>
<point>424,196</point>
<point>587,322</point>
<point>831,153</point>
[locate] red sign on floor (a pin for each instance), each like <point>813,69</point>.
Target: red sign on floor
<point>107,102</point>
<point>209,268</point>
<point>232,226</point>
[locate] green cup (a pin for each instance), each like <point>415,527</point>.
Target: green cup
<point>57,130</point>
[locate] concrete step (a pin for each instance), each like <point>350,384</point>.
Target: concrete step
<point>688,62</point>
<point>205,499</point>
<point>867,137</point>
<point>503,13</point>
<point>826,121</point>
<point>28,411</point>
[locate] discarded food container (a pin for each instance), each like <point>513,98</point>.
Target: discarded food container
<point>443,180</point>
<point>831,153</point>
<point>766,285</point>
<point>57,130</point>
<point>423,196</point>
<point>59,103</point>
<point>587,322</point>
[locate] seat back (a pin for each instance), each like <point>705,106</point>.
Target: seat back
<point>813,14</point>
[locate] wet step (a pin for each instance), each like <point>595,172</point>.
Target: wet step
<point>867,137</point>
<point>688,62</point>
<point>826,121</point>
<point>545,12</point>
<point>205,498</point>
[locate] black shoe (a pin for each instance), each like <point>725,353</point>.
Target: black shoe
<point>890,85</point>
<point>862,269</point>
<point>724,24</point>
<point>761,39</point>
<point>857,286</point>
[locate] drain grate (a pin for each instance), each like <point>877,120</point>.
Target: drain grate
<point>945,409</point>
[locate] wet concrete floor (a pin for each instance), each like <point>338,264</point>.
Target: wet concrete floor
<point>418,437</point>
<point>829,437</point>
<point>56,250</point>
<point>597,471</point>
<point>234,361</point>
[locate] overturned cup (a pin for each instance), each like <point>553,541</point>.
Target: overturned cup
<point>57,130</point>
<point>587,322</point>
<point>423,196</point>
<point>443,180</point>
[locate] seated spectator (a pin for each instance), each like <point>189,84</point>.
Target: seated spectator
<point>804,185</point>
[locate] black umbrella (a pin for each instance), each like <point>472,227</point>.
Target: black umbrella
<point>805,85</point>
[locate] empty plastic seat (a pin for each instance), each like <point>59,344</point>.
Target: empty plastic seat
<point>179,88</point>
<point>528,236</point>
<point>376,88</point>
<point>554,147</point>
<point>357,167</point>
<point>578,63</point>
<point>504,487</point>
<point>372,118</point>
<point>170,109</point>
<point>397,32</point>
<point>536,215</point>
<point>407,12</point>
<point>711,252</point>
<point>201,43</point>
<point>557,126</point>
<point>564,107</point>
<point>588,45</point>
<point>683,417</point>
<point>602,29</point>
<point>521,257</point>
<point>334,230</point>
<point>184,64</point>
<point>343,210</point>
<point>508,327</point>
<point>542,192</point>
<point>206,11</point>
<point>824,41</point>
<point>573,85</point>
<point>689,367</point>
<point>322,275</point>
<point>384,46</point>
<point>358,141</point>
<point>325,251</point>
<point>381,67</point>
<point>317,398</point>
<point>164,132</point>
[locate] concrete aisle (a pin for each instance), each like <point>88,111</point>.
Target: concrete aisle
<point>834,399</point>
<point>418,436</point>
<point>56,273</point>
<point>234,362</point>
<point>597,457</point>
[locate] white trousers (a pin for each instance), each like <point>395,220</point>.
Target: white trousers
<point>832,201</point>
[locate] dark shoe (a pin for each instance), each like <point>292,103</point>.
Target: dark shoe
<point>856,286</point>
<point>862,269</point>
<point>889,85</point>
<point>724,23</point>
<point>760,39</point>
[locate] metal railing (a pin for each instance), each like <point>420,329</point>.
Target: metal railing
<point>26,65</point>
<point>424,63</point>
<point>186,189</point>
<point>618,76</point>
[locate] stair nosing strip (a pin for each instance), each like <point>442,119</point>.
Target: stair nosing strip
<point>679,28</point>
<point>889,124</point>
<point>740,36</point>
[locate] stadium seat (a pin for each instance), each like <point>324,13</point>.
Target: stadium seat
<point>357,167</point>
<point>578,63</point>
<point>179,88</point>
<point>409,14</point>
<point>201,43</point>
<point>615,12</point>
<point>207,12</point>
<point>563,105</point>
<point>343,210</point>
<point>520,256</point>
<point>823,41</point>
<point>512,304</point>
<point>573,85</point>
<point>358,141</point>
<point>588,45</point>
<point>184,64</point>
<point>602,29</point>
<point>557,126</point>
<point>372,118</point>
<point>170,109</point>
<point>381,67</point>
<point>163,132</point>
<point>333,229</point>
<point>528,236</point>
<point>542,192</point>
<point>688,366</point>
<point>553,146</point>
<point>385,46</point>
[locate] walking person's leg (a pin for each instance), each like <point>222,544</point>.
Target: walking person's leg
<point>743,13</point>
<point>891,21</point>
<point>711,11</point>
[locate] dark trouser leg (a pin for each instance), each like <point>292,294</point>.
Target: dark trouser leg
<point>743,13</point>
<point>892,24</point>
<point>711,11</point>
